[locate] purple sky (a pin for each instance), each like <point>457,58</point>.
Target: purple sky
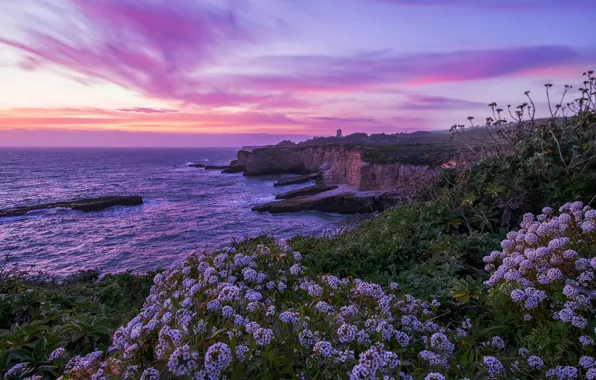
<point>225,72</point>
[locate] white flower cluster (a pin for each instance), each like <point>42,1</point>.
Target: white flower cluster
<point>222,311</point>
<point>542,272</point>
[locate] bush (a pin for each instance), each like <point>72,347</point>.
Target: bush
<point>525,162</point>
<point>417,245</point>
<point>39,315</point>
<point>545,277</point>
<point>259,312</point>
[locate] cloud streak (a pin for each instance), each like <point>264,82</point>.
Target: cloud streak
<point>164,49</point>
<point>376,70</point>
<point>153,47</point>
<point>146,110</point>
<point>424,102</point>
<point>97,119</point>
<point>498,5</point>
<point>85,138</point>
<point>101,119</point>
<point>344,119</point>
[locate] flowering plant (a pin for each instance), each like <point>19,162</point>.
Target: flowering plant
<point>248,315</point>
<point>258,312</point>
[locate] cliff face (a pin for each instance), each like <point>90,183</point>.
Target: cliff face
<point>394,176</point>
<point>337,165</point>
<point>281,160</point>
<point>242,157</point>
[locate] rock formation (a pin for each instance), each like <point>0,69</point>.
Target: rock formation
<point>336,165</point>
<point>309,190</point>
<point>234,169</point>
<point>86,205</point>
<point>296,180</point>
<point>341,200</point>
<point>365,185</point>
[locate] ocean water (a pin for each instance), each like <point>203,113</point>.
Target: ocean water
<point>184,208</point>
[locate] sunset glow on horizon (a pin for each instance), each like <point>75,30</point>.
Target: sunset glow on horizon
<point>73,70</point>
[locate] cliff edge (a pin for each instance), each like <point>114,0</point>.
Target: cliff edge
<point>336,165</point>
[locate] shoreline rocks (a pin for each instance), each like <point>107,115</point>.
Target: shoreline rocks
<point>309,190</point>
<point>296,180</point>
<point>372,179</point>
<point>341,200</point>
<point>85,205</point>
<point>234,169</point>
<point>196,165</point>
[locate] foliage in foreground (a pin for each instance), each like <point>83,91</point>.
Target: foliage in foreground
<point>39,315</point>
<point>259,313</point>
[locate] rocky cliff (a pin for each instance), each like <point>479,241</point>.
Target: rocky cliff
<point>337,165</point>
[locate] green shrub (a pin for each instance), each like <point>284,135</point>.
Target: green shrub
<point>38,314</point>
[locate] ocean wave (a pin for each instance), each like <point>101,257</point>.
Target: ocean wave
<point>183,210</point>
<point>33,214</point>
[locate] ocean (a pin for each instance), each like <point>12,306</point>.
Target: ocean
<point>184,209</point>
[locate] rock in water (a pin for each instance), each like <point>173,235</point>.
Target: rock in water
<point>234,169</point>
<point>196,165</point>
<point>296,180</point>
<point>216,167</point>
<point>86,205</point>
<point>309,190</point>
<point>338,201</point>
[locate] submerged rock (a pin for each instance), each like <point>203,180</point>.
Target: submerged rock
<point>309,190</point>
<point>196,165</point>
<point>86,205</point>
<point>296,180</point>
<point>216,167</point>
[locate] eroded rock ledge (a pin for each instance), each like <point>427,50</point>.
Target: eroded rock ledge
<point>86,205</point>
<point>296,180</point>
<point>342,200</point>
<point>308,190</point>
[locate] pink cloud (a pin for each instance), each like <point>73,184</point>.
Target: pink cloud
<point>164,48</point>
<point>344,119</point>
<point>378,70</point>
<point>503,5</point>
<point>94,119</point>
<point>85,138</point>
<point>424,102</point>
<point>153,47</point>
<point>146,110</point>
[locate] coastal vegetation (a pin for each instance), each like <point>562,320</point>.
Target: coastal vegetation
<point>488,273</point>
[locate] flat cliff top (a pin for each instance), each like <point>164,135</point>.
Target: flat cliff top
<point>300,148</point>
<point>346,189</point>
<point>430,154</point>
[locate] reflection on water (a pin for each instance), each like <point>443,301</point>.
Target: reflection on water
<point>185,208</point>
